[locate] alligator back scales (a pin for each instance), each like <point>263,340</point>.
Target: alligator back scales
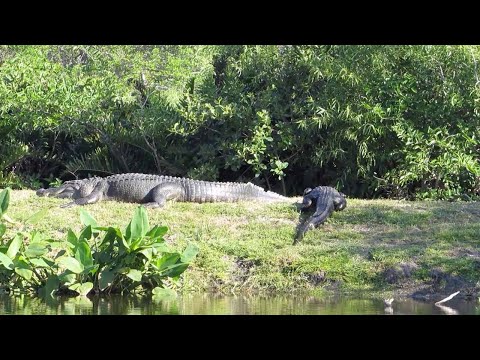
<point>154,190</point>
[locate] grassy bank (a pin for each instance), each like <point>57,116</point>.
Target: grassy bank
<point>384,246</point>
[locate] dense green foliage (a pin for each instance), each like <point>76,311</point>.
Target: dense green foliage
<point>394,121</point>
<point>136,260</point>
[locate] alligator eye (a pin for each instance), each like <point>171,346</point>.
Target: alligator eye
<point>306,191</point>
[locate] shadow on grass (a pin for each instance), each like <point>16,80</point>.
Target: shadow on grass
<point>422,248</point>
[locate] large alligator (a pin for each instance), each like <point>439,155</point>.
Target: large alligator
<point>325,199</point>
<point>155,190</point>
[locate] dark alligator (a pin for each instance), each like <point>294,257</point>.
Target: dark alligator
<point>155,190</point>
<point>325,199</point>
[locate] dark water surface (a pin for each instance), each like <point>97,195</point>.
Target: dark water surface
<point>230,305</point>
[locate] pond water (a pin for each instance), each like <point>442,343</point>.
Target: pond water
<point>230,305</point>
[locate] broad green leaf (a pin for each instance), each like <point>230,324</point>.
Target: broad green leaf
<point>60,254</point>
<point>6,261</point>
<point>23,268</point>
<point>74,287</point>
<point>36,236</point>
<point>87,219</point>
<point>23,272</point>
<point>92,269</point>
<point>67,277</point>
<point>104,257</point>
<point>122,269</point>
<point>37,216</point>
<point>189,253</point>
<point>135,275</point>
<point>51,285</point>
<point>110,236</point>
<point>41,262</point>
<point>147,253</point>
<point>105,279</point>
<point>175,270</point>
<point>3,228</point>
<point>161,247</point>
<point>122,245</point>
<point>103,228</point>
<point>4,200</point>
<point>86,233</point>
<point>167,260</point>
<point>115,230</point>
<point>159,294</point>
<point>72,238</point>
<point>128,233</point>
<point>36,249</point>
<point>15,245</point>
<point>157,231</point>
<point>138,227</point>
<point>85,288</point>
<point>71,264</point>
<point>84,254</point>
<point>135,244</point>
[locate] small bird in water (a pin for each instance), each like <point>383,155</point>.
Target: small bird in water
<point>388,302</point>
<point>388,305</point>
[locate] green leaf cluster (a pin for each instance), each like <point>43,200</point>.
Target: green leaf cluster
<point>98,260</point>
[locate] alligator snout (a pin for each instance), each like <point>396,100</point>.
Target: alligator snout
<point>41,192</point>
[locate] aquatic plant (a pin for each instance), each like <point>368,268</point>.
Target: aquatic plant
<point>97,260</point>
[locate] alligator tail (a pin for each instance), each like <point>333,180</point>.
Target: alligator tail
<point>272,196</point>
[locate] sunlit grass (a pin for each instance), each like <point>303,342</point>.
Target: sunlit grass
<point>247,246</point>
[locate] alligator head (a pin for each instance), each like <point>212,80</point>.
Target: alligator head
<point>310,197</point>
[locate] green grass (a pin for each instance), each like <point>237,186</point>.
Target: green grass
<point>247,247</point>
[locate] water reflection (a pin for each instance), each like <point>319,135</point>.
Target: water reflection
<point>213,305</point>
<point>447,310</point>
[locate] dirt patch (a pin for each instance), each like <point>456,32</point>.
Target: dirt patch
<point>242,269</point>
<point>365,229</point>
<point>320,278</point>
<point>317,278</point>
<point>462,252</point>
<point>399,272</point>
<point>275,221</point>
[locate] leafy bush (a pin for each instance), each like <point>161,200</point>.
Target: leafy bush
<point>393,121</point>
<point>98,260</point>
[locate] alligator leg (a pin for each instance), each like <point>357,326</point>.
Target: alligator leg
<point>90,199</point>
<point>163,192</point>
<point>67,194</point>
<point>307,200</point>
<point>95,196</point>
